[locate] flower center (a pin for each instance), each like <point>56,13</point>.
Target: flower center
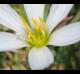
<point>37,36</point>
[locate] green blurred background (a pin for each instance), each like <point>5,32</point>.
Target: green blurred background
<point>66,58</point>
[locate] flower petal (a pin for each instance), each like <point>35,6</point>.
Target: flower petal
<point>10,42</point>
<point>57,13</point>
<point>9,18</point>
<point>66,35</point>
<point>34,11</point>
<point>40,58</point>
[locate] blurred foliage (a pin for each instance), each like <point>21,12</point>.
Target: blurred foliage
<point>66,58</point>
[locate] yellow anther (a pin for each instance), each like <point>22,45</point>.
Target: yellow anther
<point>43,23</point>
<point>35,23</point>
<point>25,23</point>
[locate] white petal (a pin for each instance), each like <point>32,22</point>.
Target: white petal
<point>40,58</point>
<point>34,11</point>
<point>9,18</point>
<point>57,13</point>
<point>10,42</point>
<point>66,35</point>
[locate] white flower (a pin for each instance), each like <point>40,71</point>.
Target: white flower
<point>38,35</point>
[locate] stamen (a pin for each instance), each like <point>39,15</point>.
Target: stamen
<point>31,36</point>
<point>36,37</point>
<point>35,24</point>
<point>43,23</point>
<point>25,24</point>
<point>42,31</point>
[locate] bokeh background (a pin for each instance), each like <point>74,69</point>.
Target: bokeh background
<point>66,58</point>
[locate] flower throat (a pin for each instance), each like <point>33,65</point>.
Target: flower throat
<point>38,35</point>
